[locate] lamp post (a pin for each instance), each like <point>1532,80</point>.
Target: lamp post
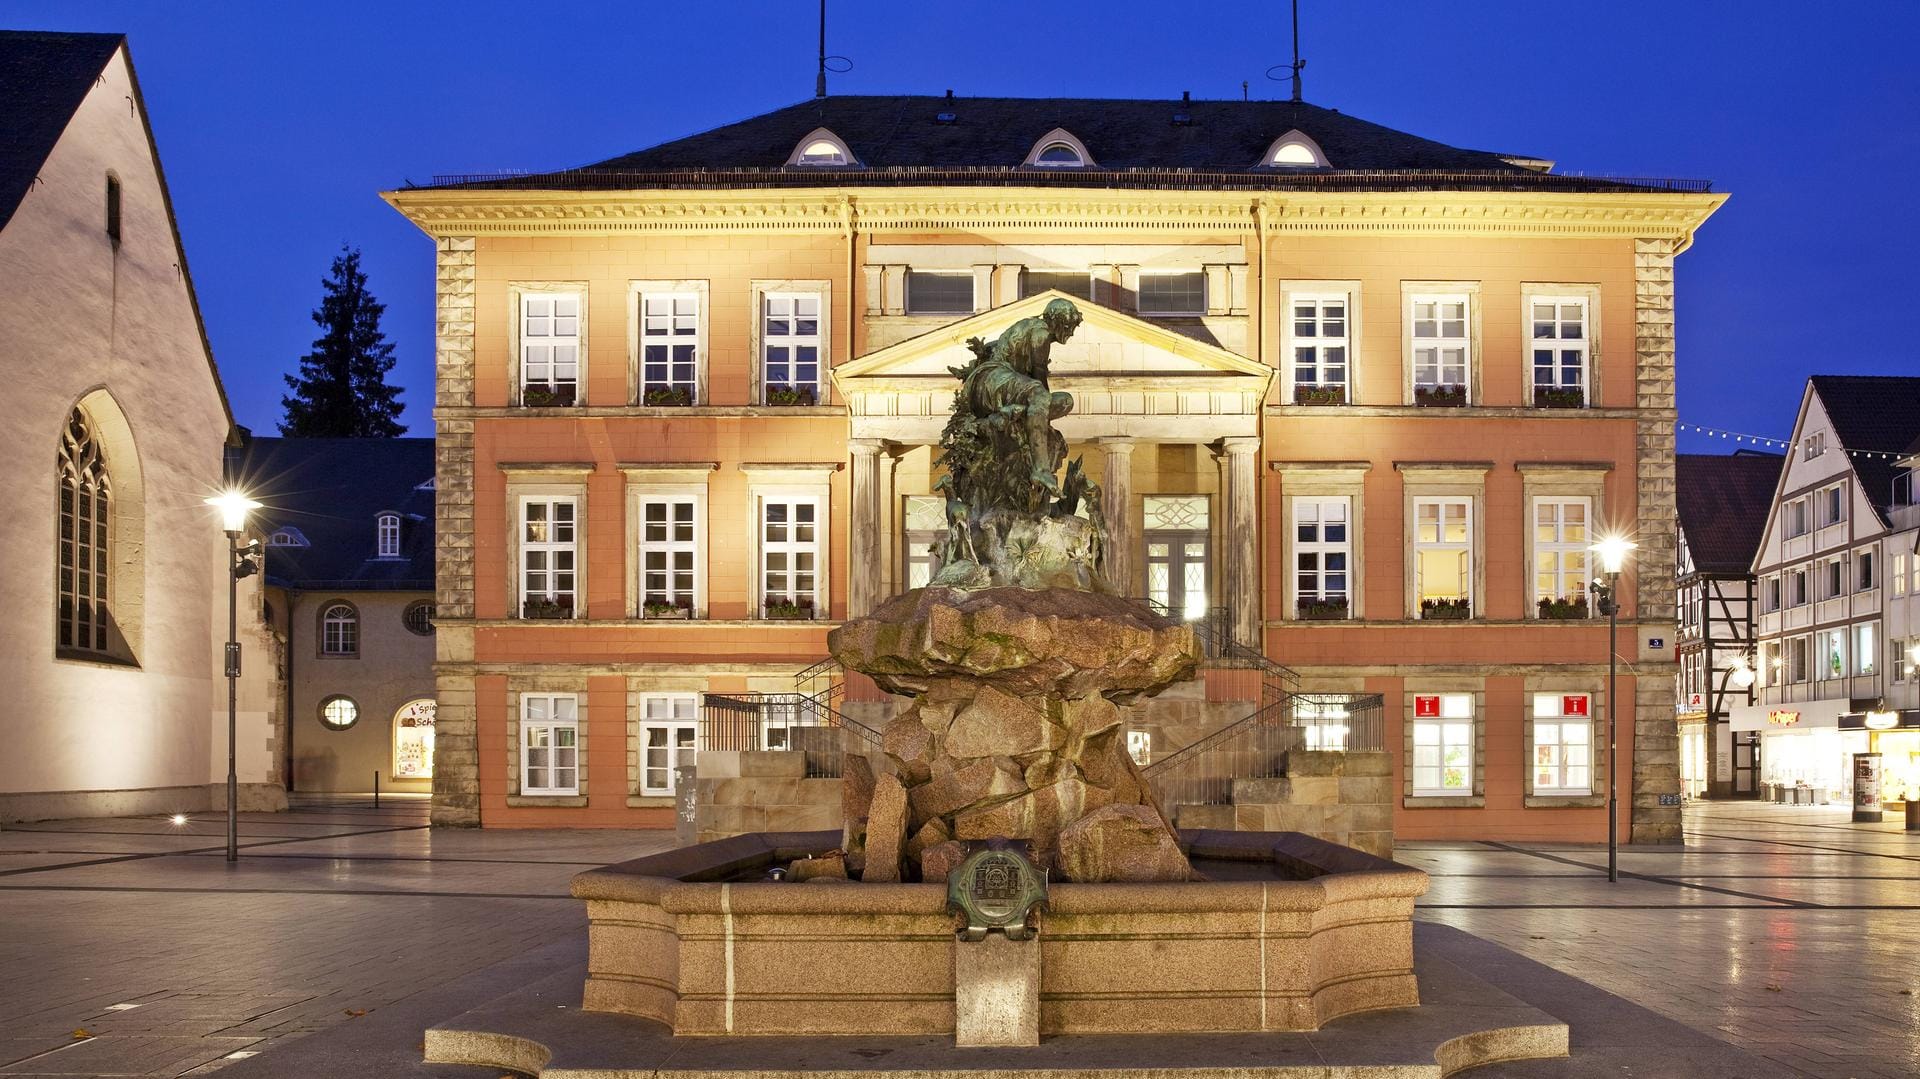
<point>234,507</point>
<point>1613,551</point>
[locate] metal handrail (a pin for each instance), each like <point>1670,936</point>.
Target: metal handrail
<point>1214,627</point>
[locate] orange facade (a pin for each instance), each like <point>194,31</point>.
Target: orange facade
<point>1381,453</point>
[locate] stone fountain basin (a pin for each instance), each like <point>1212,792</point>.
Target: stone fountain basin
<point>1289,933</point>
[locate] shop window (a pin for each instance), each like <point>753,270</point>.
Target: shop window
<point>413,739</point>
<point>337,713</point>
<point>549,744</point>
<point>1562,743</point>
<point>669,737</point>
<point>1443,745</point>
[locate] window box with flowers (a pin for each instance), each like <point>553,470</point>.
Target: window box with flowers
<point>793,396</point>
<point>542,607</point>
<point>1559,397</point>
<point>668,397</point>
<point>1445,610</point>
<point>786,610</point>
<point>1566,607</point>
<point>1440,396</point>
<point>1332,608</point>
<point>658,609</point>
<point>1319,395</point>
<point>556,395</point>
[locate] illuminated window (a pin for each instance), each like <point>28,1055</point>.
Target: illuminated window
<point>1830,646</point>
<point>549,555</point>
<point>821,148</point>
<point>1562,743</point>
<point>790,541</point>
<point>413,739</point>
<point>1560,570</point>
<point>1866,648</point>
<point>1322,549</point>
<point>1178,540</point>
<point>1443,745</point>
<point>549,743</point>
<point>86,522</point>
<point>1057,154</point>
<point>1325,722</point>
<point>1294,150</point>
<point>1166,294</point>
<point>1140,747</point>
<point>1558,341</point>
<point>549,348</point>
<point>339,630</point>
<point>1443,556</point>
<point>338,713</point>
<point>669,738</point>
<point>287,536</point>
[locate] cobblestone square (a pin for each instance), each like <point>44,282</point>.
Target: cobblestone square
<point>134,949</point>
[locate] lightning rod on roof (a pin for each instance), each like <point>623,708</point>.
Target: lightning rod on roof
<point>827,62</point>
<point>1293,69</point>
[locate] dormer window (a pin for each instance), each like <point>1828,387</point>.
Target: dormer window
<point>821,148</point>
<point>1294,150</point>
<point>287,536</point>
<point>387,535</point>
<point>1058,149</point>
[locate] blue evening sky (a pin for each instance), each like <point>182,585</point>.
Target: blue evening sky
<point>278,123</point>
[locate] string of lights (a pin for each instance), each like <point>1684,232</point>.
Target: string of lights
<point>1772,443</point>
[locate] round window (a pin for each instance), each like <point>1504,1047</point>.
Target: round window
<point>419,618</point>
<point>339,713</point>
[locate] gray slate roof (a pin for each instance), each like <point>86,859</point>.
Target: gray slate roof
<point>1879,413</point>
<point>331,489</point>
<point>43,79</point>
<point>1723,502</point>
<point>899,139</point>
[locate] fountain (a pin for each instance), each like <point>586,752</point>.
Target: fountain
<point>1004,874</point>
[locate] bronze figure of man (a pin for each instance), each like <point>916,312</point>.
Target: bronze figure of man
<point>1012,374</point>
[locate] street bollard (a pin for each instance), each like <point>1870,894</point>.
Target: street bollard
<point>376,788</point>
<point>1913,815</point>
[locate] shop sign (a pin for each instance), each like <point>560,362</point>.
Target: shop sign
<point>1696,702</point>
<point>1573,704</point>
<point>1426,707</point>
<point>1780,717</point>
<point>1882,721</point>
<point>1866,787</point>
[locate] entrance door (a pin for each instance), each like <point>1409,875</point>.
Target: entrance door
<point>1746,764</point>
<point>1179,545</point>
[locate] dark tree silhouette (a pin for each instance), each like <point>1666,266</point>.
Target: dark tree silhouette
<point>342,390</point>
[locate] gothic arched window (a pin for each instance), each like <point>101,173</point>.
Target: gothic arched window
<point>86,508</point>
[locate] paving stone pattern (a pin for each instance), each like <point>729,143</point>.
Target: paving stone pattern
<point>1788,931</point>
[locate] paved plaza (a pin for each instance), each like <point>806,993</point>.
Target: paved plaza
<point>132,948</point>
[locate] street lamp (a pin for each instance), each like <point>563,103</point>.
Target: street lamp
<point>1613,552</point>
<point>234,507</point>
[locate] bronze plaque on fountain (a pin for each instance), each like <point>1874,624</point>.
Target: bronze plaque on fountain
<point>996,888</point>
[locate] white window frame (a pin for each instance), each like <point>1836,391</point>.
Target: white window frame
<point>794,341</point>
<point>1440,543</point>
<point>386,529</point>
<point>1814,444</point>
<point>1799,587</point>
<point>1834,494</point>
<point>553,724</point>
<point>1799,659</point>
<point>1865,642</point>
<point>764,547</point>
<point>1561,548</point>
<point>339,637</point>
<point>1140,294</point>
<point>973,290</point>
<point>657,714</point>
<point>1798,518</point>
<point>1438,342</point>
<point>1452,729</point>
<point>1559,346</point>
<point>1830,645</point>
<point>652,332</point>
<point>1059,136</point>
<point>537,325</point>
<point>550,547</point>
<point>1770,593</point>
<point>1320,342</point>
<point>1320,547</point>
<point>694,546</point>
<point>841,156</point>
<point>1547,715</point>
<point>1897,577</point>
<point>1863,577</point>
<point>1833,578</point>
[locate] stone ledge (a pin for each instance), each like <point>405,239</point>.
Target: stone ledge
<point>547,801</point>
<point>1432,802</point>
<point>1566,801</point>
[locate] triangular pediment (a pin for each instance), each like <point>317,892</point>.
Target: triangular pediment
<point>1108,343</point>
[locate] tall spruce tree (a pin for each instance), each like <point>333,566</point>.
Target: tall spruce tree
<point>342,390</point>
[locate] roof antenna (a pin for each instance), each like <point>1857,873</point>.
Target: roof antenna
<point>1294,68</point>
<point>839,65</point>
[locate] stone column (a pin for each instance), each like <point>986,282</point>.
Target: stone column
<point>1656,733</point>
<point>894,577</point>
<point>863,528</point>
<point>456,753</point>
<point>1116,497</point>
<point>1239,458</point>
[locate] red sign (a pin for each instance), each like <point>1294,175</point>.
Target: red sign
<point>1573,704</point>
<point>1426,707</point>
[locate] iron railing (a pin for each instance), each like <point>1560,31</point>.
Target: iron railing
<point>1256,747</point>
<point>784,722</point>
<point>1213,629</point>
